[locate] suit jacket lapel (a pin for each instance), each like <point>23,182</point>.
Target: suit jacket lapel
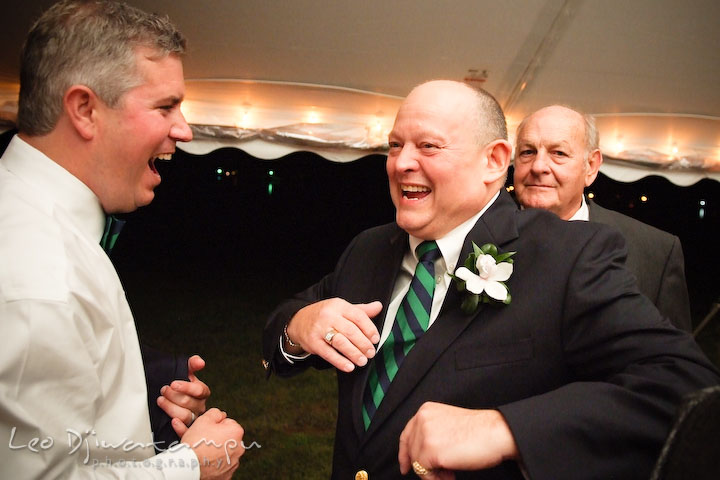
<point>498,226</point>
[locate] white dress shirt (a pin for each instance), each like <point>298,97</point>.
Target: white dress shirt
<point>73,399</point>
<point>583,213</point>
<point>450,246</point>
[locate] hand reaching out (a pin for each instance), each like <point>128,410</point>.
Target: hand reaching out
<point>185,400</point>
<point>355,333</point>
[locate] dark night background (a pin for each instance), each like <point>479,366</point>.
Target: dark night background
<point>228,219</point>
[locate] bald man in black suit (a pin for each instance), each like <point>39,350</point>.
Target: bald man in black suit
<point>575,375</point>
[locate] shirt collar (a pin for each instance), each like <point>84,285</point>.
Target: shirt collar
<point>52,180</point>
<point>451,244</point>
<point>583,212</point>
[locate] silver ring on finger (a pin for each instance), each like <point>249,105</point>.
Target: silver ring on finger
<point>192,418</point>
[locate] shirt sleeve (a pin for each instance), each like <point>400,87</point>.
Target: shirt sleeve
<point>51,401</point>
<point>291,359</point>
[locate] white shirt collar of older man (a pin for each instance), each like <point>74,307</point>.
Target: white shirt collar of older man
<point>583,212</point>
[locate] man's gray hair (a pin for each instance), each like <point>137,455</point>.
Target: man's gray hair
<point>91,43</point>
<point>592,137</point>
<point>490,119</point>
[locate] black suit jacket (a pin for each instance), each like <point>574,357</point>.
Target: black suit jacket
<point>582,366</point>
<point>656,259</point>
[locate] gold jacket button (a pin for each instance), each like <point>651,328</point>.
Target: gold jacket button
<point>361,475</point>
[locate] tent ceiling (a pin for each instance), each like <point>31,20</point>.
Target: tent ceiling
<point>608,57</point>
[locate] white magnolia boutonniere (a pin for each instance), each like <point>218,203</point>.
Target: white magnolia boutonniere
<point>483,276</point>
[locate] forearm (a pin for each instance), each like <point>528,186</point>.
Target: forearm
<point>55,394</point>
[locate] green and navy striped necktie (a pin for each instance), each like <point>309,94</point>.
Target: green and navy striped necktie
<point>113,225</point>
<point>411,321</point>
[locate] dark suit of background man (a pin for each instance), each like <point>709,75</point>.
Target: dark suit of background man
<point>557,155</point>
<point>578,377</point>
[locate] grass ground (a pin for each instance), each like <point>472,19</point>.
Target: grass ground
<point>291,421</point>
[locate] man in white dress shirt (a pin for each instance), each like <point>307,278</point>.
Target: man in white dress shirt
<point>101,88</point>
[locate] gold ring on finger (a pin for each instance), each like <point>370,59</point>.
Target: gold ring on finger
<point>329,336</point>
<point>419,469</point>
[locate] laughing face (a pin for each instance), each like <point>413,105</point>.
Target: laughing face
<point>140,130</point>
<point>435,167</point>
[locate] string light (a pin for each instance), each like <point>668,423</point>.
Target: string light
<point>376,133</point>
<point>245,116</point>
<point>246,121</point>
<point>313,117</point>
<point>619,146</point>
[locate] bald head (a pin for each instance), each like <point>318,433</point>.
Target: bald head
<point>487,117</point>
<point>584,121</point>
<point>556,157</point>
<point>448,156</point>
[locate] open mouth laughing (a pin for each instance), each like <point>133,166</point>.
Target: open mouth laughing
<point>163,157</point>
<point>415,192</point>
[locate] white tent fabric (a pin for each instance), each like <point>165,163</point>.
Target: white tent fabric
<point>343,125</point>
<point>268,149</point>
<point>624,171</point>
<point>328,76</point>
<point>616,169</point>
<point>339,143</point>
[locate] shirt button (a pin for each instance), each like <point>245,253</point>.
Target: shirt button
<point>438,279</point>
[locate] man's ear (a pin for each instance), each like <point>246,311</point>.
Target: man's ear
<point>80,104</point>
<point>498,159</point>
<point>594,161</point>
